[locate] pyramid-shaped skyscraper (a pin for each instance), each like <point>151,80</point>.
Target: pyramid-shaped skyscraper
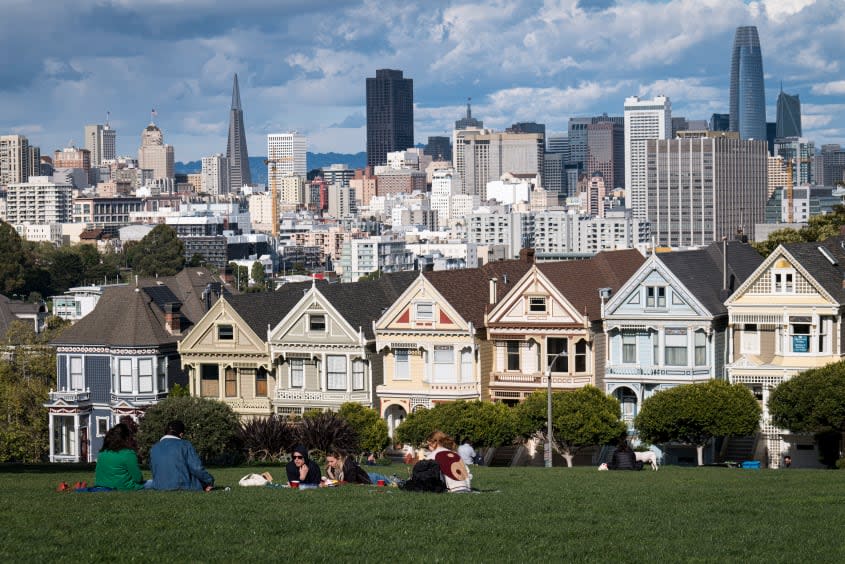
<point>236,150</point>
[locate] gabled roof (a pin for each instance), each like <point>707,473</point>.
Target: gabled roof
<point>11,310</point>
<point>468,290</point>
<point>263,309</point>
<point>579,280</point>
<point>829,276</point>
<point>701,271</point>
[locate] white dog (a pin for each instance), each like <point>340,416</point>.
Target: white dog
<point>647,456</point>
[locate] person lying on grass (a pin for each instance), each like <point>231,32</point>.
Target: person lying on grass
<point>343,468</point>
<point>117,463</point>
<point>301,468</point>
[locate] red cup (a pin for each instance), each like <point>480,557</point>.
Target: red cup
<point>294,484</point>
<point>380,483</point>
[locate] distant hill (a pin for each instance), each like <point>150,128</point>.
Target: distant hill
<point>259,169</point>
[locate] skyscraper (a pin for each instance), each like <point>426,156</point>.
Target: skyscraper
<point>390,115</point>
<point>606,152</point>
<point>644,119</point>
<point>154,155</point>
<point>286,153</point>
<point>236,151</point>
<point>748,95</point>
<point>789,116</point>
<point>100,141</point>
<point>14,159</point>
<point>469,122</point>
<point>216,175</point>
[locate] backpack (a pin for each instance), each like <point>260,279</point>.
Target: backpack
<point>425,477</point>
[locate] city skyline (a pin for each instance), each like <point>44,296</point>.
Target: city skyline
<point>528,61</point>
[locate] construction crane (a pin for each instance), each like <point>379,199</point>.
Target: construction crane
<point>274,194</point>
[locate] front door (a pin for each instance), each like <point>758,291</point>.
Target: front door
<point>83,444</point>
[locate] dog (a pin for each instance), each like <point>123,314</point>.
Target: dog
<point>603,466</point>
<point>647,456</point>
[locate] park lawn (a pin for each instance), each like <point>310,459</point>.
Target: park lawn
<point>522,514</point>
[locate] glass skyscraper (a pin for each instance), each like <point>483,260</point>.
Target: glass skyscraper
<point>748,95</point>
<point>390,115</point>
<point>789,115</point>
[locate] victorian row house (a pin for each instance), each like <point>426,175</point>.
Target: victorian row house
<point>784,319</point>
<point>122,358</point>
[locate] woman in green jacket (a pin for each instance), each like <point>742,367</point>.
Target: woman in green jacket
<point>117,462</point>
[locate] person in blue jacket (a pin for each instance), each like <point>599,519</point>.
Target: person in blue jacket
<point>176,464</point>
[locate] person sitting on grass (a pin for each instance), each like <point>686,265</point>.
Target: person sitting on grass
<point>301,468</point>
<point>624,458</point>
<point>442,450</point>
<point>175,463</point>
<point>117,463</point>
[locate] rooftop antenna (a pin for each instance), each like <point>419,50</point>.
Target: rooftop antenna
<point>153,115</point>
<point>108,116</point>
<point>469,107</point>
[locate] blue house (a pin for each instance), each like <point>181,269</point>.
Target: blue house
<point>122,358</point>
<point>668,324</point>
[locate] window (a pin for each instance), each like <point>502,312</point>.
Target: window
<point>225,333</point>
<point>317,323</point>
<point>444,364</point>
<point>557,352</point>
<point>231,381</point>
<point>655,296</point>
<point>145,375</point>
<point>297,372</point>
<point>823,343</point>
<point>358,374</point>
<point>750,339</point>
<point>466,365</point>
<point>799,337</point>
<point>512,355</point>
<point>209,381</point>
<point>124,371</point>
<point>675,347</point>
<point>783,282</point>
<point>162,374</point>
<point>537,304</point>
<point>336,372</point>
<point>77,381</point>
<point>581,356</point>
<point>700,348</point>
<point>629,348</point>
<point>401,366</point>
<point>102,426</point>
<point>261,383</point>
<point>425,311</point>
<point>655,348</point>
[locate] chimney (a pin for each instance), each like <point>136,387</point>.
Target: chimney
<point>527,255</point>
<point>493,284</point>
<point>173,318</point>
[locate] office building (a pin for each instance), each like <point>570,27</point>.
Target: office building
<point>644,120</point>
<point>558,144</point>
<point>797,152</point>
<point>154,154</point>
<point>339,174</point>
<point>39,200</point>
<point>34,161</point>
<point>482,156</point>
<point>236,150</point>
<point>554,173</point>
<point>747,88</point>
<point>100,141</point>
<point>390,115</point>
<point>439,148</point>
<point>829,165</point>
<point>788,116</point>
<point>286,155</point>
<point>215,175</point>
<point>701,189</point>
<point>469,122</point>
<point>14,159</point>
<point>606,152</point>
<point>720,122</point>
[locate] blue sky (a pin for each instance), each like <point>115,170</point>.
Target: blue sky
<point>302,64</point>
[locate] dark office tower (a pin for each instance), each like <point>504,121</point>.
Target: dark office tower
<point>606,152</point>
<point>390,115</point>
<point>236,151</point>
<point>439,148</point>
<point>469,122</point>
<point>789,115</point>
<point>748,95</point>
<point>720,122</point>
<point>771,129</point>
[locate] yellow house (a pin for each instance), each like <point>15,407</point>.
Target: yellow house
<point>787,318</point>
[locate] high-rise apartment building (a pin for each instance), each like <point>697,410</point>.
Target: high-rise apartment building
<point>644,120</point>
<point>100,141</point>
<point>236,151</point>
<point>154,154</point>
<point>788,116</point>
<point>390,115</point>
<point>720,122</point>
<point>797,152</point>
<point>701,189</point>
<point>482,156</point>
<point>14,159</point>
<point>606,152</point>
<point>747,88</point>
<point>286,155</point>
<point>40,200</point>
<point>215,175</point>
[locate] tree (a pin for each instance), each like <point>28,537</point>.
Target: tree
<point>259,279</point>
<point>160,253</point>
<point>812,402</point>
<point>818,228</point>
<point>323,431</point>
<point>369,426</point>
<point>66,270</point>
<point>210,425</point>
<point>485,424</point>
<point>778,237</point>
<point>240,274</point>
<point>696,413</point>
<point>13,262</point>
<point>582,418</point>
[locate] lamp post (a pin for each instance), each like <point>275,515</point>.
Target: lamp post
<point>547,457</point>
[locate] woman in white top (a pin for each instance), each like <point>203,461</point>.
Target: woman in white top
<point>441,449</point>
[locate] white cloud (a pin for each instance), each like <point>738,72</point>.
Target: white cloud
<point>834,88</point>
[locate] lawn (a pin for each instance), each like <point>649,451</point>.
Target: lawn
<point>523,514</point>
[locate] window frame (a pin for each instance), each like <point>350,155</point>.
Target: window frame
<point>261,377</point>
<point>402,364</point>
<point>699,350</point>
<point>230,382</point>
<point>296,371</point>
<point>225,332</point>
<point>670,349</point>
<point>124,377</point>
<point>341,376</point>
<point>424,311</point>
<point>537,304</point>
<point>141,376</point>
<point>655,297</point>
<point>317,323</point>
<point>359,373</point>
<point>513,356</point>
<point>76,379</point>
<point>629,347</point>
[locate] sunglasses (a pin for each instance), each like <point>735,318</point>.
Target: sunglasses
<point>297,456</point>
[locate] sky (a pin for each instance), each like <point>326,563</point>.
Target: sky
<point>302,65</point>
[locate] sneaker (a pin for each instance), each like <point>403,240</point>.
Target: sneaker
<point>63,487</point>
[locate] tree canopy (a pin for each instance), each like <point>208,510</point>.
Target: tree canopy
<point>369,426</point>
<point>695,413</point>
<point>581,418</point>
<point>818,228</point>
<point>485,424</point>
<point>12,260</point>
<point>812,401</point>
<point>160,252</point>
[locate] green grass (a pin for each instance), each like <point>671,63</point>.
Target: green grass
<point>533,514</point>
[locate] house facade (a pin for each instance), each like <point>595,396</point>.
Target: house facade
<point>785,319</point>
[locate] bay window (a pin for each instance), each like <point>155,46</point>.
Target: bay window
<point>675,347</point>
<point>336,372</point>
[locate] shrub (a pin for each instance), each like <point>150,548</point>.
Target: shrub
<point>267,440</point>
<point>840,464</point>
<point>485,424</point>
<point>325,431</point>
<point>210,425</point>
<point>370,427</point>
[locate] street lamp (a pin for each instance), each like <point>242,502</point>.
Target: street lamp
<point>547,457</point>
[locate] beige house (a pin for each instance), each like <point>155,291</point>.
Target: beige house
<point>787,318</point>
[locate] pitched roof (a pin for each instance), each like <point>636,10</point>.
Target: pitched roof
<point>261,309</point>
<point>701,271</point>
<point>830,276</point>
<point>579,280</point>
<point>468,290</point>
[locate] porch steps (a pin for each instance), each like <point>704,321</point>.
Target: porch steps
<point>738,449</point>
<point>504,456</point>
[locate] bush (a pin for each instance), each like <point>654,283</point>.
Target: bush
<point>267,440</point>
<point>370,427</point>
<point>840,464</point>
<point>484,424</point>
<point>324,431</point>
<point>210,425</point>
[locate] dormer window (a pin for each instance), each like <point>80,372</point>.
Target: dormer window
<point>783,281</point>
<point>425,311</point>
<point>537,304</point>
<point>655,296</point>
<point>317,323</point>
